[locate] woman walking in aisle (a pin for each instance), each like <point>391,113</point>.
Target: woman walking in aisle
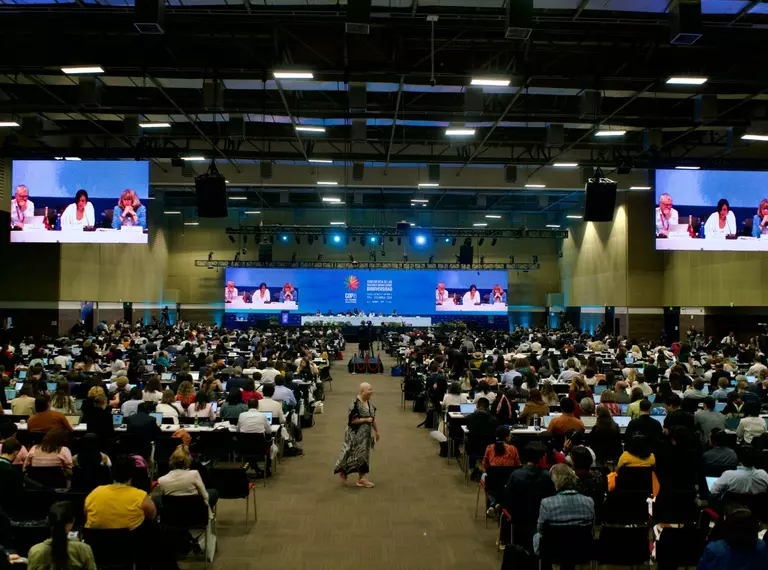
<point>358,439</point>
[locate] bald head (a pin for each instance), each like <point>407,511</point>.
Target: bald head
<point>365,391</point>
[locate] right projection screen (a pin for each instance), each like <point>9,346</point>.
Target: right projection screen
<point>711,210</point>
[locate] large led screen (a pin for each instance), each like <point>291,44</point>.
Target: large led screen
<point>711,210</point>
<point>73,201</point>
<point>336,291</point>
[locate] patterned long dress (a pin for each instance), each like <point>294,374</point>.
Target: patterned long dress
<point>358,441</point>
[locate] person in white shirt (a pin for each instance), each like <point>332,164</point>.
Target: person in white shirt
<point>756,368</point>
<point>62,359</point>
<point>729,340</point>
<point>80,214</point>
<point>262,295</point>
<point>722,222</point>
<point>441,294</point>
<point>267,404</point>
<point>751,425</point>
<point>22,208</point>
<point>253,421</point>
<point>269,373</point>
<point>168,406</point>
<point>230,292</point>
<point>666,215</point>
<point>202,408</point>
<point>471,297</point>
<point>181,481</point>
<point>454,397</point>
<point>568,374</point>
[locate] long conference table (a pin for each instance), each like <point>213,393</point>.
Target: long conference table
<point>101,235</point>
<point>741,243</point>
<point>167,428</point>
<point>376,321</point>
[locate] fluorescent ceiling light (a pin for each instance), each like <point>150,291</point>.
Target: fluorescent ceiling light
<point>293,75</point>
<point>420,200</point>
<point>490,82</point>
<point>320,161</point>
<point>252,212</point>
<point>238,197</point>
<point>310,129</point>
<point>327,183</point>
<point>338,223</point>
<point>459,132</point>
<point>553,225</point>
<point>686,80</point>
<point>744,138</point>
<point>172,212</point>
<point>9,124</point>
<point>194,158</point>
<point>574,217</point>
<point>155,125</point>
<point>82,70</point>
<point>493,216</point>
<point>639,187</point>
<point>687,167</point>
<point>566,164</point>
<point>331,199</point>
<point>480,225</point>
<point>535,185</point>
<point>610,133</point>
<point>191,223</point>
<point>226,182</point>
<point>72,158</point>
<point>412,224</point>
<point>428,184</point>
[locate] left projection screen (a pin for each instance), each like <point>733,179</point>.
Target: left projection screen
<point>97,201</point>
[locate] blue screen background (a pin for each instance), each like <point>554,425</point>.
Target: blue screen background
<point>412,291</point>
<point>742,189</point>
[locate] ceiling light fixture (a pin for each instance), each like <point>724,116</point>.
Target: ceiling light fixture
<point>193,158</point>
<point>172,212</point>
<point>687,167</point>
<point>553,225</point>
<point>238,197</point>
<point>459,132</point>
<point>338,223</point>
<point>755,138</point>
<point>686,80</point>
<point>535,185</point>
<point>419,201</point>
<point>248,212</point>
<point>320,161</point>
<point>490,82</point>
<point>72,158</point>
<point>82,70</point>
<point>566,164</point>
<point>155,125</point>
<point>293,75</point>
<point>574,217</point>
<point>9,124</point>
<point>331,199</point>
<point>191,223</point>
<point>309,129</point>
<point>610,133</point>
<point>493,216</point>
<point>639,187</point>
<point>428,185</point>
<point>480,224</point>
<point>327,183</point>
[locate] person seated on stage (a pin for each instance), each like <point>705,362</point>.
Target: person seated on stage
<point>129,211</point>
<point>471,297</point>
<point>287,293</point>
<point>441,294</point>
<point>45,419</point>
<point>262,295</point>
<point>666,215</point>
<point>568,507</point>
<point>760,226</point>
<point>722,222</point>
<point>230,292</point>
<point>22,208</point>
<point>80,214</point>
<point>498,295</point>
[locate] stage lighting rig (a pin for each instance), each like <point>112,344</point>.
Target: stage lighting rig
<point>351,258</point>
<point>293,257</point>
<point>237,256</point>
<point>431,259</point>
<point>405,257</point>
<point>482,259</point>
<point>231,238</point>
<point>210,255</point>
<point>319,256</point>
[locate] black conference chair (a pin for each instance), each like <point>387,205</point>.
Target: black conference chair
<point>678,547</point>
<point>624,545</point>
<point>113,549</point>
<point>254,447</point>
<point>233,483</point>
<point>495,480</point>
<point>567,545</point>
<point>187,514</point>
<point>51,477</point>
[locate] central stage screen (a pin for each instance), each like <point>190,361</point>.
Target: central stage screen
<point>408,292</point>
<point>711,210</point>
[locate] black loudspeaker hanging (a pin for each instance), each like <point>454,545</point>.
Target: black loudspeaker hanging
<point>599,198</point>
<point>211,194</point>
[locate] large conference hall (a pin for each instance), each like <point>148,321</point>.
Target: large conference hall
<point>383,284</point>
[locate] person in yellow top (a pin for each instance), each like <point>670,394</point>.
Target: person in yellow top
<point>637,454</point>
<point>119,505</point>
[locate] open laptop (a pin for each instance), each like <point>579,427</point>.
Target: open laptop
<point>10,394</point>
<point>269,416</point>
<point>117,419</point>
<point>51,386</point>
<point>22,374</point>
<point>545,421</point>
<point>467,408</point>
<point>166,376</point>
<point>73,420</point>
<point>599,389</point>
<point>624,408</point>
<point>660,419</point>
<point>158,417</point>
<point>588,421</point>
<point>710,482</point>
<point>622,421</point>
<point>720,406</point>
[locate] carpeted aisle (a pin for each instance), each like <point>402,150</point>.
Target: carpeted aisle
<point>420,515</point>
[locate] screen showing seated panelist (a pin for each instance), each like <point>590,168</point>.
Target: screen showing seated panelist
<point>379,291</point>
<point>79,201</point>
<point>711,210</point>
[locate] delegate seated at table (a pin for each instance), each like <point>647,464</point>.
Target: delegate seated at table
<point>666,215</point>
<point>79,214</point>
<point>261,296</point>
<point>230,292</point>
<point>22,207</point>
<point>722,222</point>
<point>441,294</point>
<point>129,211</point>
<point>471,297</point>
<point>760,220</point>
<point>287,294</point>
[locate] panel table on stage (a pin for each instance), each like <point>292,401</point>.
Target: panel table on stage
<point>375,321</point>
<point>101,235</point>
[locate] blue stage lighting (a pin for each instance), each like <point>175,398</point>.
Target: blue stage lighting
<point>336,239</point>
<point>447,240</point>
<point>421,240</point>
<point>373,239</point>
<point>284,238</point>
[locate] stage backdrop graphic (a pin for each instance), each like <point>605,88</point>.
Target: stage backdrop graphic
<point>55,183</point>
<point>409,292</point>
<point>695,197</point>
